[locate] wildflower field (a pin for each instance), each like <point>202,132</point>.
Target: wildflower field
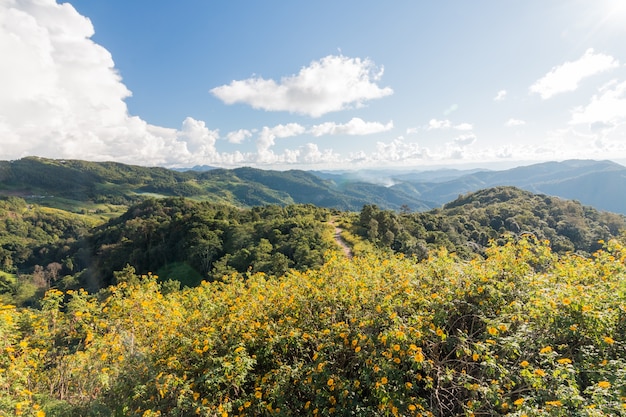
<point>520,332</point>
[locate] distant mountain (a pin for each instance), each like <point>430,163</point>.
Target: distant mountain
<point>110,182</point>
<point>600,184</point>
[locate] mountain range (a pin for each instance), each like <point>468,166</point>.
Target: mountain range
<point>596,183</point>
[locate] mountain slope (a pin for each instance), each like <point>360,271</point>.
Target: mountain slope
<point>109,182</point>
<point>596,183</point>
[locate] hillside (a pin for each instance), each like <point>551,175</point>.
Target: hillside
<point>188,241</point>
<point>468,224</point>
<point>66,182</point>
<point>96,186</point>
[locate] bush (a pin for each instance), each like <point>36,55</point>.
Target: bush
<point>522,332</point>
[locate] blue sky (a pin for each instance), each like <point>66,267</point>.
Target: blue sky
<point>313,85</point>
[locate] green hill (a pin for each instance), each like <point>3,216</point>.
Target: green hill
<point>61,182</point>
<point>469,223</point>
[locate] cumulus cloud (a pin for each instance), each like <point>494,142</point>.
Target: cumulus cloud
<point>63,98</point>
<point>398,150</point>
<point>514,122</point>
<point>500,95</point>
<point>607,107</point>
<point>355,126</point>
<point>238,136</point>
<point>434,124</point>
<point>267,136</point>
<point>331,84</point>
<point>567,77</point>
<point>197,137</point>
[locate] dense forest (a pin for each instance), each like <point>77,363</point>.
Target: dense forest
<point>501,302</point>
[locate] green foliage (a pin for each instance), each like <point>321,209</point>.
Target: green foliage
<point>212,239</point>
<point>524,331</point>
<point>468,225</point>
<point>49,180</point>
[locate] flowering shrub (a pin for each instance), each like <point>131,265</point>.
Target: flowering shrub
<point>522,332</point>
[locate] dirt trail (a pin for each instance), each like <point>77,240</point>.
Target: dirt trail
<point>342,243</point>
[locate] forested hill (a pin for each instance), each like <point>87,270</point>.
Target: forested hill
<point>188,241</point>
<point>49,180</point>
<point>468,224</point>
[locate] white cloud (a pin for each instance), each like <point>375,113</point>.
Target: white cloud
<point>398,150</point>
<point>331,84</point>
<point>311,154</point>
<point>438,124</point>
<point>500,95</point>
<point>608,107</point>
<point>435,124</point>
<point>238,136</point>
<point>355,126</point>
<point>197,137</point>
<point>514,122</point>
<point>62,97</point>
<point>267,136</point>
<point>567,77</point>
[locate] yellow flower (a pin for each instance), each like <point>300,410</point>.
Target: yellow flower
<point>330,382</point>
<point>539,372</point>
<point>546,349</point>
<point>357,349</point>
<point>396,347</point>
<point>384,380</point>
<point>564,361</point>
<point>604,384</point>
<point>609,340</point>
<point>555,403</point>
<point>519,401</point>
<point>566,301</point>
<point>475,357</point>
<point>492,331</point>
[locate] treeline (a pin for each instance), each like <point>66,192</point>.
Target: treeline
<point>470,223</point>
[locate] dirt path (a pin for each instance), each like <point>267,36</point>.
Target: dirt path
<point>342,243</point>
